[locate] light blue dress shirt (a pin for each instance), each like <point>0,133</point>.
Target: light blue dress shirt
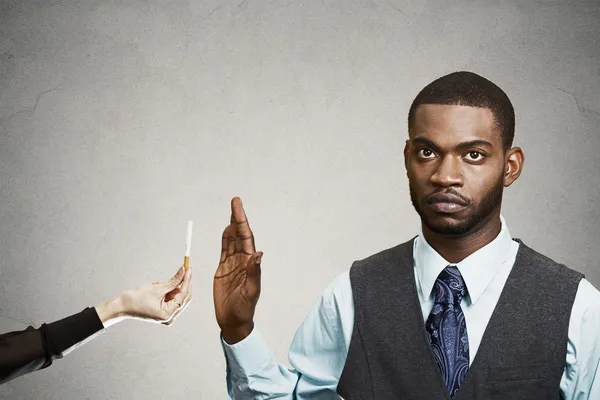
<point>318,351</point>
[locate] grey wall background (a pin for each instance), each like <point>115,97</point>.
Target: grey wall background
<point>119,121</point>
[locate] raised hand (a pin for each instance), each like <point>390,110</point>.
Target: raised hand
<point>236,286</point>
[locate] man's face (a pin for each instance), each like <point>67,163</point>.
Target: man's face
<point>455,163</point>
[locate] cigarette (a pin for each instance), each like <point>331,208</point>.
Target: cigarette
<point>188,244</point>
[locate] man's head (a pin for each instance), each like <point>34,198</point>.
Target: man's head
<point>459,154</point>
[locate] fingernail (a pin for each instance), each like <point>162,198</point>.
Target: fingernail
<point>259,258</point>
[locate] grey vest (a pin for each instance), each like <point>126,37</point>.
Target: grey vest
<point>522,354</point>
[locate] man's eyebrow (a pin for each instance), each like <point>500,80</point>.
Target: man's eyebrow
<point>460,146</point>
<point>425,142</point>
<point>474,143</point>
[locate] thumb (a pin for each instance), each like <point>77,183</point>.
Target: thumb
<point>175,279</point>
<point>253,269</point>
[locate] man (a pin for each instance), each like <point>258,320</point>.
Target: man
<point>29,350</point>
<point>461,311</point>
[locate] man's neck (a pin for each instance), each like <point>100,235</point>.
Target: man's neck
<point>454,249</point>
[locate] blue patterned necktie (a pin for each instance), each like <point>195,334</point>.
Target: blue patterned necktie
<point>448,330</point>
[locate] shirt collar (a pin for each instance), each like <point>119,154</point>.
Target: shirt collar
<point>477,270</point>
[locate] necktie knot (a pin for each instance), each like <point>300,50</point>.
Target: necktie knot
<point>450,286</point>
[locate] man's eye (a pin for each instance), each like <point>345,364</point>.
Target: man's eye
<point>475,156</point>
<point>425,153</point>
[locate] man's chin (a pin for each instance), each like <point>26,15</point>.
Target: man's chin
<point>447,225</point>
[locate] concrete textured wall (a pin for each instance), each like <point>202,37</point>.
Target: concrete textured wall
<point>119,121</point>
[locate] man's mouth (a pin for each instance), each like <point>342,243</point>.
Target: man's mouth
<point>447,203</point>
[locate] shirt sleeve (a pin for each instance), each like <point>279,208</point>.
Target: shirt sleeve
<point>317,354</point>
<point>29,350</point>
<point>581,378</point>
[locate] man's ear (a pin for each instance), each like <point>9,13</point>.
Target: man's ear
<point>515,161</point>
<point>406,150</point>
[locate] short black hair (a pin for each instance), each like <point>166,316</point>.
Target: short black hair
<point>469,89</point>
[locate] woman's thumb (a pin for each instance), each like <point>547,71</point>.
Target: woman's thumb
<point>177,278</point>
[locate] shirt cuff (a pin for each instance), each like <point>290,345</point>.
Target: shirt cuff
<point>113,321</point>
<point>246,357</point>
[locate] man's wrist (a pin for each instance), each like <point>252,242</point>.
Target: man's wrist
<point>233,335</point>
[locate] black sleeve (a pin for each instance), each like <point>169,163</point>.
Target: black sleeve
<point>29,350</point>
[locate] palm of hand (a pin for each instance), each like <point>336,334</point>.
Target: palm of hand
<point>236,282</point>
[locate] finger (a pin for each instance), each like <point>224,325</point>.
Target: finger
<point>244,244</point>
<point>242,228</point>
<point>176,303</point>
<point>173,317</point>
<point>227,243</point>
<point>167,286</point>
<point>253,272</point>
<point>171,295</point>
<point>225,239</point>
<point>227,250</point>
<point>177,297</point>
<point>186,301</point>
<point>239,218</point>
<point>177,278</point>
<point>178,312</point>
<point>183,288</point>
<point>231,241</point>
<point>187,280</point>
